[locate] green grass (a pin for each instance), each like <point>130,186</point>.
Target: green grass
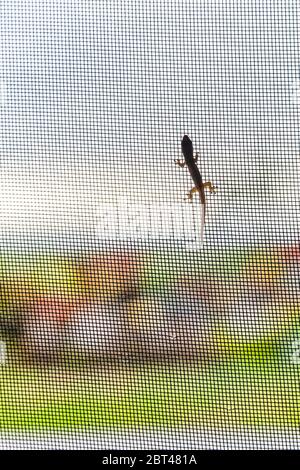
<point>239,393</point>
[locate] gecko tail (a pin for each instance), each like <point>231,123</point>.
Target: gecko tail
<point>202,208</point>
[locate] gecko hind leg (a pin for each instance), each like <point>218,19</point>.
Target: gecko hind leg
<point>208,185</point>
<point>190,194</point>
<point>180,163</point>
<point>196,157</point>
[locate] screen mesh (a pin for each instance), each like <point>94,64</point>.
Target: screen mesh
<point>119,326</point>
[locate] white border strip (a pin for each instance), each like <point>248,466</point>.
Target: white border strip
<point>142,440</point>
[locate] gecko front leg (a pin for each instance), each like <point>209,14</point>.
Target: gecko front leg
<point>180,163</point>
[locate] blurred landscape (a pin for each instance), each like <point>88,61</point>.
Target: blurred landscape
<point>110,332</point>
<point>112,315</point>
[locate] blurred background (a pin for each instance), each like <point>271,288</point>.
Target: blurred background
<point>111,311</point>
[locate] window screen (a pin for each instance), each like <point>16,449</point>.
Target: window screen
<point>135,313</point>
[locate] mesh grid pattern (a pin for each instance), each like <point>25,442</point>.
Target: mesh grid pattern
<point>117,326</point>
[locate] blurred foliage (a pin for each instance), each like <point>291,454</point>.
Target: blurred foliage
<point>22,275</point>
<point>113,272</point>
<point>109,274</point>
<point>212,277</point>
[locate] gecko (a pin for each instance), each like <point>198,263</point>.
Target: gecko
<point>191,162</point>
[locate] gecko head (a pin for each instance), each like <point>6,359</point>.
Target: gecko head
<point>186,139</point>
<point>186,145</point>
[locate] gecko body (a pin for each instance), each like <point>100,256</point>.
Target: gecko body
<point>191,162</point>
